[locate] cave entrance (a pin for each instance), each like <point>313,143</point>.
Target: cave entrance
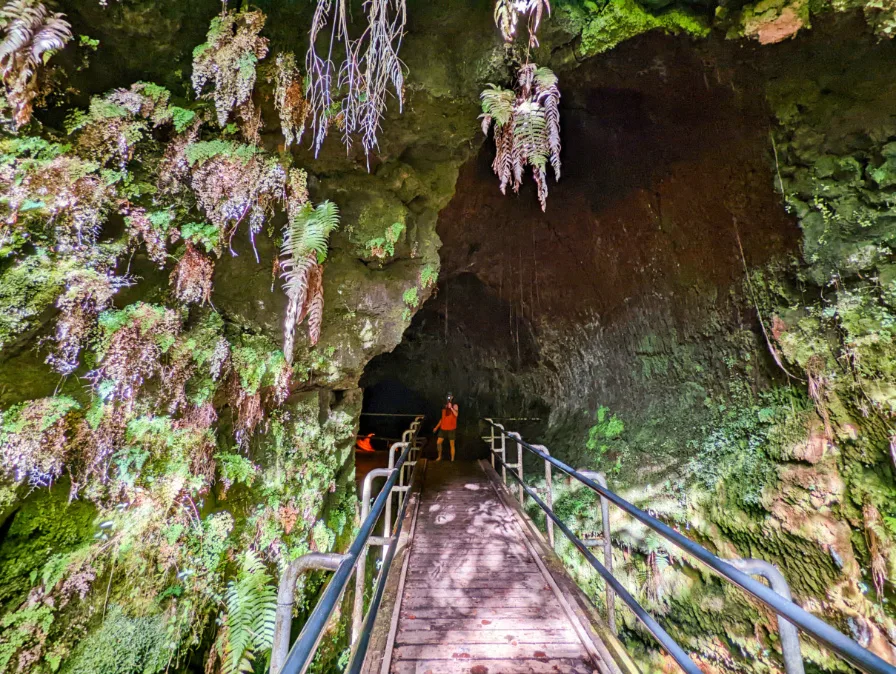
<point>389,408</point>
<point>607,298</point>
<point>466,340</point>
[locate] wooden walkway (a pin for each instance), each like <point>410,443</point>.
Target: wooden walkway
<point>474,598</point>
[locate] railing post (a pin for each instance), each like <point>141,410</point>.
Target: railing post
<point>361,571</point>
<point>286,598</point>
<point>550,493</point>
<point>387,518</point>
<point>601,479</point>
<point>491,442</point>
<point>790,636</point>
<point>517,438</point>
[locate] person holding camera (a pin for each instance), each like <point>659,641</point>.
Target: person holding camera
<point>447,427</point>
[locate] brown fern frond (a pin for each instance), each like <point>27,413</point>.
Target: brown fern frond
<point>289,98</point>
<point>192,277</point>
<point>315,303</point>
<point>541,180</point>
<point>33,35</point>
<point>548,94</point>
<point>872,521</point>
<point>504,158</point>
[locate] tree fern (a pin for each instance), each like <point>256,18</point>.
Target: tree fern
<point>527,128</point>
<point>251,601</point>
<point>304,249</point>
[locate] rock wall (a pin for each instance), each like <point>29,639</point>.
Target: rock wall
<point>686,318</point>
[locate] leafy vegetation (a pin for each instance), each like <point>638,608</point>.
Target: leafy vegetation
<point>527,128</point>
<point>303,253</point>
<point>601,435</point>
<point>251,601</point>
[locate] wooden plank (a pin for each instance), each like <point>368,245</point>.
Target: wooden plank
<point>554,666</point>
<point>545,603</point>
<point>489,651</point>
<point>460,582</point>
<point>508,564</point>
<point>509,636</point>
<point>478,592</point>
<point>447,624</point>
<point>481,612</point>
<point>471,555</point>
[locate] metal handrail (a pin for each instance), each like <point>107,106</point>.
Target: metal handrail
<point>815,627</point>
<point>362,642</point>
<point>677,652</point>
<point>302,652</point>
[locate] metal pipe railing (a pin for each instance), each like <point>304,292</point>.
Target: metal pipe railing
<point>677,652</point>
<point>790,636</point>
<point>549,494</point>
<point>811,625</point>
<point>362,640</point>
<point>313,561</point>
<point>608,545</point>
<point>302,652</point>
<point>361,572</point>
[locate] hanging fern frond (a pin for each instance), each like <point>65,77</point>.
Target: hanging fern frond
<point>33,35</point>
<point>228,58</point>
<point>314,306</point>
<point>506,18</point>
<point>508,12</point>
<point>526,127</point>
<point>251,601</point>
<point>290,99</point>
<point>497,106</point>
<point>548,94</point>
<point>304,249</point>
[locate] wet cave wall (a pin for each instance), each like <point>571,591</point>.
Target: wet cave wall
<point>724,215</point>
<point>720,224</point>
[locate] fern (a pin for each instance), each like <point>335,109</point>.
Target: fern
<point>527,128</point>
<point>289,98</point>
<point>228,59</point>
<point>507,14</point>
<point>304,249</point>
<point>251,601</point>
<point>33,35</point>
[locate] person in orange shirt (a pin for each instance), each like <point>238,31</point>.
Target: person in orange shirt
<point>447,427</point>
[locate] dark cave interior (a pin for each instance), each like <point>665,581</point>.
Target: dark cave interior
<point>667,195</point>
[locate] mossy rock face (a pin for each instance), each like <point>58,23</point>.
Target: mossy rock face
<point>834,149</point>
<point>28,292</point>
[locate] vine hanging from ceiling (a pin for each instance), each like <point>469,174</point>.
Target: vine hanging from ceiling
<point>353,96</point>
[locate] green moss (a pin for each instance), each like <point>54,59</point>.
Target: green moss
<point>28,289</point>
<point>607,429</point>
<point>259,363</point>
<point>201,151</point>
<point>123,645</point>
<point>605,24</point>
<point>46,524</point>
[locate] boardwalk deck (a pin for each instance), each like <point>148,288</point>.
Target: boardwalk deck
<point>474,599</point>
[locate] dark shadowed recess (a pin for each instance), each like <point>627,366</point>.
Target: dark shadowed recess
<point>667,192</point>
